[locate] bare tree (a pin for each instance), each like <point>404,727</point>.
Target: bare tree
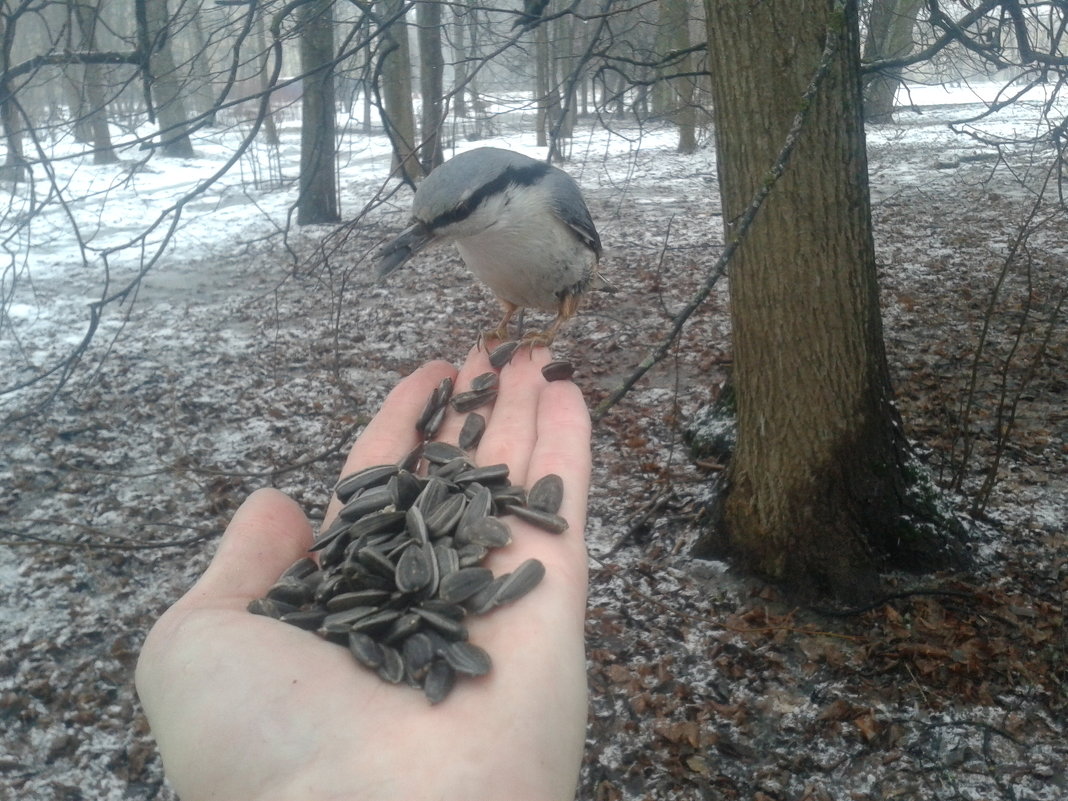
<point>890,26</point>
<point>164,82</point>
<point>318,202</point>
<point>431,82</point>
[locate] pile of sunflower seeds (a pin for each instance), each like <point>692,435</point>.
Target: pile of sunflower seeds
<point>400,568</point>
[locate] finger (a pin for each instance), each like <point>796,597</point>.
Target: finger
<point>391,434</point>
<point>476,364</point>
<point>511,429</point>
<point>266,535</point>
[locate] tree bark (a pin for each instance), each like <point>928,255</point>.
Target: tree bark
<point>431,82</point>
<point>166,87</point>
<point>96,112</point>
<point>819,494</point>
<point>318,169</point>
<point>890,28</point>
<point>14,168</point>
<point>398,115</point>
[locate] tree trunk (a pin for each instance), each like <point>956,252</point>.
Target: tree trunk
<point>398,116</point>
<point>318,173</point>
<point>820,490</point>
<point>93,77</point>
<point>263,78</point>
<point>459,63</point>
<point>541,84</point>
<point>889,36</point>
<point>166,87</point>
<point>431,81</point>
<point>14,168</point>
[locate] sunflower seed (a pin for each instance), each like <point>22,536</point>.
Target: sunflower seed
<point>471,433</point>
<point>365,649</point>
<point>337,633</point>
<point>350,600</point>
<point>502,354</point>
<point>330,587</point>
<point>347,617</point>
<point>363,479</point>
<point>434,423</point>
<point>435,492</point>
<point>558,371</point>
<point>468,658</point>
<point>548,522</point>
<point>452,629</point>
<point>505,496</point>
<point>473,399</point>
<point>441,452</point>
<point>439,681</point>
<point>442,520</point>
<point>392,667</point>
<point>376,622</point>
<point>479,504</point>
<point>339,528</point>
<point>488,531</point>
<point>269,608</point>
<point>547,494</point>
<point>388,521</point>
<point>483,601</point>
<point>439,607</point>
<point>414,569</point>
<point>376,562</point>
<point>490,474</point>
<point>366,502</point>
<point>404,488</point>
<point>444,391</point>
<point>463,583</point>
<point>488,380</point>
<point>418,653</point>
<point>471,554</point>
<point>410,461</point>
<point>521,581</point>
<point>307,620</point>
<point>301,569</point>
<point>404,626</point>
<point>291,591</point>
<point>451,468</point>
<point>447,558</point>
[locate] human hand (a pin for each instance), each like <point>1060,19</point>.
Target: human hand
<point>245,707</point>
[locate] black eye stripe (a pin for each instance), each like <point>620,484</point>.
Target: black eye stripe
<point>520,176</point>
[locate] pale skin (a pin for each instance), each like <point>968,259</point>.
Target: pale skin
<point>244,707</point>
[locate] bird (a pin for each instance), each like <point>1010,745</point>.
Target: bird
<point>520,225</point>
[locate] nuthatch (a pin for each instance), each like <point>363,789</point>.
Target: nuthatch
<point>520,225</point>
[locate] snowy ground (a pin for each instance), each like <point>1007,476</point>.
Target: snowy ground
<point>245,362</point>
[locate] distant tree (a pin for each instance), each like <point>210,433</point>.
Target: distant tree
<point>165,84</point>
<point>94,109</point>
<point>431,82</point>
<point>890,27</point>
<point>395,69</point>
<point>318,150</point>
<point>821,494</point>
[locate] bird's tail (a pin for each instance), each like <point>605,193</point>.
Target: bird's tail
<point>407,244</point>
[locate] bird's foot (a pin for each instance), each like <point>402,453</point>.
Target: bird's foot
<point>537,339</point>
<point>497,335</point>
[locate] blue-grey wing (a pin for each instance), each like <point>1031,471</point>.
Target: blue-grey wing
<point>569,206</point>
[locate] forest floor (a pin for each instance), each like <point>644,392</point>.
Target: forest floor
<point>239,366</point>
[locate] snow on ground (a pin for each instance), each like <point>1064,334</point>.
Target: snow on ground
<point>248,360</point>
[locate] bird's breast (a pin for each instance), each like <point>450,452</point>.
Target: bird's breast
<point>523,251</point>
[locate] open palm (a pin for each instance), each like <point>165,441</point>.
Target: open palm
<point>244,707</point>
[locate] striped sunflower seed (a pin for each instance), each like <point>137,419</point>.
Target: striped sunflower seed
<point>488,380</point>
<point>414,568</point>
<point>392,667</point>
<point>552,523</point>
<point>473,399</point>
<point>308,620</point>
<point>301,569</point>
<point>463,583</point>
<point>490,474</point>
<point>441,452</point>
<point>487,531</point>
<point>370,500</point>
<point>452,629</point>
<point>547,494</point>
<point>468,658</point>
<point>365,649</point>
<point>439,681</point>
<point>519,582</point>
<point>558,371</point>
<point>292,591</point>
<point>443,519</point>
<point>471,433</point>
<point>502,354</point>
<point>351,600</point>
<point>411,460</point>
<point>269,608</point>
<point>418,652</point>
<point>363,479</point>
